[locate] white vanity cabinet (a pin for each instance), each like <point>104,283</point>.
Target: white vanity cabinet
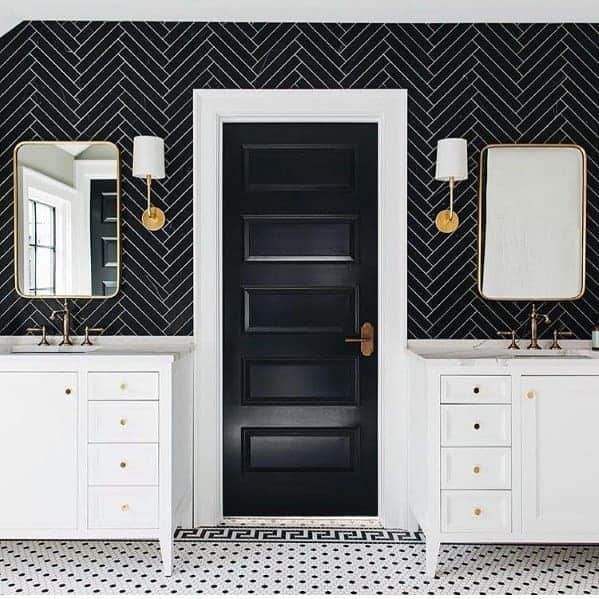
<point>86,447</point>
<point>560,454</point>
<point>504,450</point>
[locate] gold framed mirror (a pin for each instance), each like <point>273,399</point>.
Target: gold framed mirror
<point>532,222</point>
<point>67,219</point>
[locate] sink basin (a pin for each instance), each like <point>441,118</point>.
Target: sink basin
<point>517,354</point>
<point>52,349</point>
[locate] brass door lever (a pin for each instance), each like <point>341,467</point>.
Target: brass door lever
<point>366,339</point>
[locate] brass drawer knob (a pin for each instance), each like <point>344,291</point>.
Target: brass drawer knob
<point>123,464</point>
<point>476,390</point>
<point>125,507</point>
<point>123,386</point>
<point>123,421</point>
<point>68,390</point>
<point>476,426</point>
<point>477,511</point>
<point>531,395</point>
<point>476,469</point>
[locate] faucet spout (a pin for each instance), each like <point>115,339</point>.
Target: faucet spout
<point>66,322</point>
<point>535,318</point>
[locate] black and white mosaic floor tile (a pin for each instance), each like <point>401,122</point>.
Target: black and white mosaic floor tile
<point>281,567</point>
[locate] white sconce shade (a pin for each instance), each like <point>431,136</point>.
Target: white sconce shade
<point>148,157</point>
<point>452,159</point>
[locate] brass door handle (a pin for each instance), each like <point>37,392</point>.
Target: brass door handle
<point>366,339</point>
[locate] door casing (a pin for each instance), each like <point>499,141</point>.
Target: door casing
<point>387,108</point>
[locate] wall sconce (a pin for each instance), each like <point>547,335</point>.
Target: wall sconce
<point>148,163</point>
<point>452,166</point>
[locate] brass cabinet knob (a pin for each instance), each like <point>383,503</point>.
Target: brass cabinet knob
<point>123,421</point>
<point>123,386</point>
<point>125,507</point>
<point>477,511</point>
<point>123,464</point>
<point>68,391</point>
<point>476,426</point>
<point>476,390</point>
<point>476,469</point>
<point>531,395</point>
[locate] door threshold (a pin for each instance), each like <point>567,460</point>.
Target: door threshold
<point>304,522</point>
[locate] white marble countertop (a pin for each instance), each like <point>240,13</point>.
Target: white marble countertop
<point>493,349</point>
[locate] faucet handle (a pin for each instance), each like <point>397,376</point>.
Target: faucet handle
<point>42,330</point>
<point>512,335</point>
<point>92,331</point>
<point>556,337</point>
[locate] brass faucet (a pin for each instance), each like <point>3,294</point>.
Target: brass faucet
<point>66,323</point>
<point>535,317</point>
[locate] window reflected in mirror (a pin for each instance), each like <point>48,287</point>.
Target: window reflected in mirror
<point>67,219</point>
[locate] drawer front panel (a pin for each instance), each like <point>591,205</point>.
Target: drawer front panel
<point>123,422</point>
<point>123,464</point>
<point>476,389</point>
<point>468,425</point>
<point>123,507</point>
<point>123,385</point>
<point>476,468</point>
<point>476,511</point>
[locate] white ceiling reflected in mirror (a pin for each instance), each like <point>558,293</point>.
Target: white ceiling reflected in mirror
<point>67,219</point>
<point>532,222</point>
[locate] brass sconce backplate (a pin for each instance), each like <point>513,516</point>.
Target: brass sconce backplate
<point>153,218</point>
<point>447,222</point>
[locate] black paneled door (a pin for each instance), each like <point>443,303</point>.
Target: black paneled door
<point>300,276</point>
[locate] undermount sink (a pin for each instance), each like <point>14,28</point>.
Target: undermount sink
<point>52,349</point>
<point>516,354</point>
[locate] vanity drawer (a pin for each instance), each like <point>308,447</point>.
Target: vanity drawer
<point>476,468</point>
<point>476,389</point>
<point>122,464</point>
<point>123,422</point>
<point>123,507</point>
<point>123,385</point>
<point>469,425</point>
<point>476,511</point>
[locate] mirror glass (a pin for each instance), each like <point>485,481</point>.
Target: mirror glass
<point>67,219</point>
<point>532,220</point>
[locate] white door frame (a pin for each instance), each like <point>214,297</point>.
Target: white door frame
<point>388,108</point>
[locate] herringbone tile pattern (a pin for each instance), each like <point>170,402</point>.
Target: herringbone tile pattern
<point>488,83</point>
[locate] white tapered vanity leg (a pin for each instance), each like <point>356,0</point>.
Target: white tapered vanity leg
<point>166,550</point>
<point>433,544</point>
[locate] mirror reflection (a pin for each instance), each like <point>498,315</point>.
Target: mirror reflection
<point>67,219</point>
<point>532,221</point>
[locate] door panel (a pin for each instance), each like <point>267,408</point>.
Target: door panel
<point>104,245</point>
<point>560,487</point>
<point>300,275</point>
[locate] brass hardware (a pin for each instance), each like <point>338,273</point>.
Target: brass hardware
<point>42,330</point>
<point>123,386</point>
<point>583,221</point>
<point>476,390</point>
<point>476,469</point>
<point>68,391</point>
<point>123,421</point>
<point>514,343</point>
<point>125,507</point>
<point>531,395</point>
<point>477,511</point>
<point>66,322</point>
<point>534,323</point>
<point>476,426</point>
<point>123,464</point>
<point>447,221</point>
<point>17,236</point>
<point>88,330</point>
<point>153,218</point>
<point>556,336</point>
<point>366,339</point>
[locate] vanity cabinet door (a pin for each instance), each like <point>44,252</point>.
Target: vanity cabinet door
<point>38,450</point>
<point>560,453</point>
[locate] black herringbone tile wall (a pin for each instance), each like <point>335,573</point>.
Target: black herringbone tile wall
<point>488,83</point>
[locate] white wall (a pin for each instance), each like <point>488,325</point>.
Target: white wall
<point>303,10</point>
